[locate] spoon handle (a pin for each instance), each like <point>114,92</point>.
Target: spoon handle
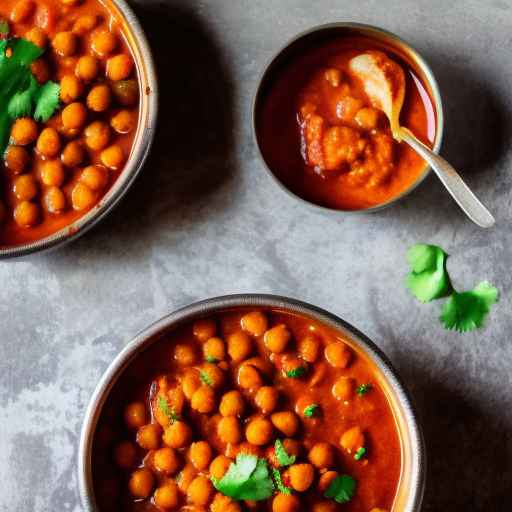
<point>450,178</point>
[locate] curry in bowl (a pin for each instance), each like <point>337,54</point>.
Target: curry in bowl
<point>68,122</point>
<point>248,409</point>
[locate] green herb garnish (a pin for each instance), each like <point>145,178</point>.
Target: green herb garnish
<point>282,455</point>
<point>364,388</point>
<point>360,454</point>
<point>246,479</point>
<point>211,359</point>
<point>296,373</point>
<point>342,489</point>
<point>311,410</point>
<point>205,378</point>
<point>47,100</point>
<point>163,405</point>
<point>278,481</point>
<point>4,28</point>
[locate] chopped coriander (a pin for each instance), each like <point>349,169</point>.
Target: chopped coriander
<point>360,453</point>
<point>296,373</point>
<point>246,479</point>
<point>282,456</point>
<point>211,359</point>
<point>364,388</point>
<point>163,405</point>
<point>278,481</point>
<point>311,410</point>
<point>205,378</point>
<point>466,311</point>
<point>342,489</point>
<point>47,101</point>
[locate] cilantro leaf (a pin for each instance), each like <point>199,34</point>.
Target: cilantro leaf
<point>467,311</point>
<point>360,453</point>
<point>311,410</point>
<point>205,378</point>
<point>364,388</point>
<point>429,279</point>
<point>211,359</point>
<point>342,489</point>
<point>21,104</point>
<point>163,405</point>
<point>296,373</point>
<point>281,454</point>
<point>279,482</point>
<point>247,478</point>
<point>47,101</point>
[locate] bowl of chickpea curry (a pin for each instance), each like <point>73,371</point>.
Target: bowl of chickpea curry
<point>319,135</point>
<point>251,402</point>
<point>77,116</point>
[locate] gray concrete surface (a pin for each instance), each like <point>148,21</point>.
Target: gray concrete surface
<point>205,220</point>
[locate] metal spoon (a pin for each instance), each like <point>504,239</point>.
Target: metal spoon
<point>384,83</point>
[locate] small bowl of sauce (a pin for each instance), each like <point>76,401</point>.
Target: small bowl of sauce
<point>318,133</point>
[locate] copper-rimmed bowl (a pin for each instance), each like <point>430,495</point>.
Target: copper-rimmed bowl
<point>148,87</point>
<point>412,479</point>
<point>302,43</point>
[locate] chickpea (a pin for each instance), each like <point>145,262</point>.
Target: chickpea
<point>214,349</point>
<point>343,389</point>
<point>103,43</point>
<point>286,421</point>
<point>285,503</point>
<point>204,329</point>
<point>185,477</point>
<point>213,375</point>
<point>337,354</point>
<point>239,346</point>
<point>37,36</point>
<point>119,67</point>
<point>87,68</point>
<point>277,338</point>
<point>141,483</point>
<point>223,503</point>
<point>229,430</point>
<point>166,496</point>
<point>166,460</point>
<point>84,24</point>
<point>301,476</point>
<point>74,116</point>
<point>367,118</point>
<point>125,455</point>
<point>249,449</point>
<point>65,44</point>
<point>73,154</point>
<point>259,431</point>
<point>352,440</point>
<point>185,355</point>
<point>333,76</point>
<point>254,323</point>
<point>112,157</point>
<point>321,455</point>
<point>16,159</point>
<point>309,348</point>
<point>324,506</point>
<point>203,400</point>
<point>191,383</point>
<point>25,187</point>
<point>52,173</point>
<point>54,200</point>
<point>26,214</point>
<point>82,197</point>
<point>71,88</point>
<point>177,435</point>
<point>266,399</point>
<point>99,98</point>
<point>40,70</point>
<point>292,446</point>
<point>97,135</point>
<point>95,177</point>
<point>126,92</point>
<point>22,10</point>
<point>200,491</point>
<point>148,436</point>
<point>232,404</point>
<point>326,480</point>
<point>48,143</point>
<point>201,455</point>
<point>249,377</point>
<point>219,466</point>
<point>176,399</point>
<point>123,122</point>
<point>24,131</point>
<point>135,415</point>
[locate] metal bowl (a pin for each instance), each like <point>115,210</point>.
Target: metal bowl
<point>148,87</point>
<point>412,480</point>
<point>304,41</point>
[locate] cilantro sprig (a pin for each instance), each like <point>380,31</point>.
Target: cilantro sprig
<point>163,405</point>
<point>205,378</point>
<point>247,478</point>
<point>311,410</point>
<point>278,481</point>
<point>360,453</point>
<point>282,455</point>
<point>296,373</point>
<point>362,389</point>
<point>342,489</point>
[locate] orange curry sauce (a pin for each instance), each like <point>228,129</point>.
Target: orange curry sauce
<point>372,168</point>
<point>52,16</point>
<point>377,474</point>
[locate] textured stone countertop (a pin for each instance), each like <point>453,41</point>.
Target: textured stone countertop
<point>205,220</point>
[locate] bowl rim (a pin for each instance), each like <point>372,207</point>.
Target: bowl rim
<point>148,85</point>
<point>152,334</point>
<point>369,29</point>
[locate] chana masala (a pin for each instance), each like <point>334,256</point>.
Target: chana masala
<point>247,410</point>
<point>69,124</point>
<point>323,139</point>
